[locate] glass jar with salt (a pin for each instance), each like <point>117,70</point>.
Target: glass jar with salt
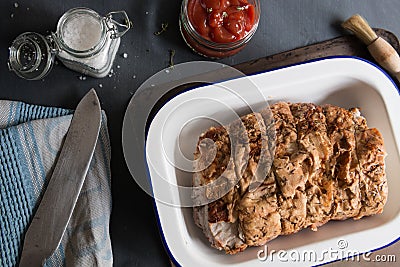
<point>84,42</point>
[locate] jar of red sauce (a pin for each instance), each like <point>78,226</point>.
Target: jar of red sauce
<point>218,28</point>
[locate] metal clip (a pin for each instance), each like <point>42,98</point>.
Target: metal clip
<point>113,25</point>
<point>53,42</point>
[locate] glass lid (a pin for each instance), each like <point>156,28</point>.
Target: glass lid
<point>31,56</point>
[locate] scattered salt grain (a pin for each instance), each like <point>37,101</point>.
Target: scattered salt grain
<point>147,12</point>
<point>16,5</point>
<point>12,15</point>
<point>125,55</point>
<point>118,66</point>
<point>111,73</point>
<point>82,78</point>
<point>27,9</point>
<point>134,76</point>
<point>101,85</point>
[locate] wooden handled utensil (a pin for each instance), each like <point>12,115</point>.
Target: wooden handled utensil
<point>384,54</point>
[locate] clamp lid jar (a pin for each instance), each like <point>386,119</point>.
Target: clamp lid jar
<point>218,28</point>
<point>84,42</point>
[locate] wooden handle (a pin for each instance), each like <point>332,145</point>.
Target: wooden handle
<point>385,55</point>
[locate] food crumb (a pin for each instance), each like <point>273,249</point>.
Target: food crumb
<point>118,66</point>
<point>27,9</point>
<point>16,5</point>
<point>125,55</point>
<point>134,76</point>
<point>164,27</point>
<point>82,78</point>
<point>147,12</point>
<point>12,15</point>
<point>101,85</point>
<point>171,57</point>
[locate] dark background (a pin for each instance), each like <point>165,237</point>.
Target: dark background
<point>284,25</point>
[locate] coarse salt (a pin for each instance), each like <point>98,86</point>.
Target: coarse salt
<point>82,33</point>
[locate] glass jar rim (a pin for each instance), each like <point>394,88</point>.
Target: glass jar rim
<point>216,45</point>
<point>77,11</point>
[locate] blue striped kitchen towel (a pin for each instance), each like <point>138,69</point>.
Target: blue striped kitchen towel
<point>30,139</point>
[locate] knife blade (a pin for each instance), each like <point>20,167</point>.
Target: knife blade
<point>55,209</point>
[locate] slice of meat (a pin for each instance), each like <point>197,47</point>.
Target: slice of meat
<point>251,154</point>
<point>371,159</point>
<point>343,163</point>
<point>373,183</point>
<point>249,142</point>
<point>214,189</point>
<point>288,172</point>
<point>257,209</point>
<point>215,176</point>
<point>259,218</point>
<point>315,148</point>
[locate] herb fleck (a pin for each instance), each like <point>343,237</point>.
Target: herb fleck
<point>164,27</point>
<point>171,57</point>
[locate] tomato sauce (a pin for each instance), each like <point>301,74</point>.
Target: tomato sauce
<point>221,21</point>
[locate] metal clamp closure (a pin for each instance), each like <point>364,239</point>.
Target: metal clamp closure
<point>114,25</point>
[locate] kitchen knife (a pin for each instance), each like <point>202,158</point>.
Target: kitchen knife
<point>55,209</point>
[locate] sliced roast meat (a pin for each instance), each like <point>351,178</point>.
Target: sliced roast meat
<point>286,168</point>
